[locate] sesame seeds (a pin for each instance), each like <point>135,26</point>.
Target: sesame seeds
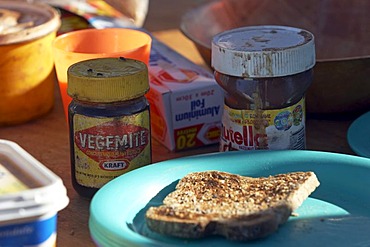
<point>220,193</point>
<point>237,207</point>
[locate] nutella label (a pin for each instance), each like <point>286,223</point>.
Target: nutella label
<point>263,129</point>
<point>105,148</point>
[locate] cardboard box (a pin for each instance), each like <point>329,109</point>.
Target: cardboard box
<point>186,102</point>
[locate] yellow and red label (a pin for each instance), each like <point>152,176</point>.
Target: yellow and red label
<point>105,148</point>
<point>263,129</point>
<point>196,136</point>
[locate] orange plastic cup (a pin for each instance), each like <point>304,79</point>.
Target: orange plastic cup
<point>76,46</point>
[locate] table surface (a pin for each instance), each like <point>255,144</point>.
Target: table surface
<point>47,138</point>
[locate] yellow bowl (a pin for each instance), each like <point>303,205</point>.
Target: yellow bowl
<point>27,67</point>
<point>342,36</point>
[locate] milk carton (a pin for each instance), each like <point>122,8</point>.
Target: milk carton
<point>186,102</point>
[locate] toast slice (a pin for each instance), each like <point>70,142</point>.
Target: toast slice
<point>237,207</point>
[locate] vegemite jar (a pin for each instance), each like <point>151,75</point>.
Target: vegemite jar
<point>109,121</point>
<point>265,72</point>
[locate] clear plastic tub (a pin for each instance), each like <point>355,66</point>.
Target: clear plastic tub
<point>30,197</point>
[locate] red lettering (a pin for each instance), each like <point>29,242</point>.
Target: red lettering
<point>240,138</point>
<point>248,135</point>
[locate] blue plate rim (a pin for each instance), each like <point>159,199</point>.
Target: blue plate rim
<point>356,132</point>
<point>139,240</point>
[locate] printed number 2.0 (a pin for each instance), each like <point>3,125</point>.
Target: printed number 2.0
<point>185,141</point>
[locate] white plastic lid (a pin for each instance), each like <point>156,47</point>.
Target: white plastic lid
<point>41,191</point>
<point>263,51</point>
<point>25,21</point>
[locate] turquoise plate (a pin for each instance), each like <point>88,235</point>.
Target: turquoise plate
<point>358,135</point>
<point>336,214</point>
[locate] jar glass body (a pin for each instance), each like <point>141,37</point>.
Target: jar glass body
<point>273,92</point>
<point>264,113</point>
<point>92,110</point>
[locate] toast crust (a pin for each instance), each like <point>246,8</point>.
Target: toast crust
<point>234,206</point>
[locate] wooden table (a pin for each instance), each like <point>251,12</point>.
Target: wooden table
<point>47,138</point>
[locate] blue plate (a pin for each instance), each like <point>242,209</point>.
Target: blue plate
<point>358,135</point>
<point>336,214</point>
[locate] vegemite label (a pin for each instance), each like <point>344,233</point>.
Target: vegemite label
<point>105,148</point>
<point>263,129</point>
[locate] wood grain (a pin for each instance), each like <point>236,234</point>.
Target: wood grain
<point>47,138</point>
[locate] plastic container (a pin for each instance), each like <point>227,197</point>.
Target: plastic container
<point>30,197</point>
<point>265,72</point>
<point>27,67</point>
<point>109,121</point>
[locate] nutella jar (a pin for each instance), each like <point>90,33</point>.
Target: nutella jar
<point>265,72</point>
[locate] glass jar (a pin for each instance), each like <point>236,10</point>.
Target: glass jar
<point>109,121</point>
<point>265,72</point>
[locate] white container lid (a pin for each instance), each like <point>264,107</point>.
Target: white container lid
<point>263,51</point>
<point>27,21</point>
<point>33,189</point>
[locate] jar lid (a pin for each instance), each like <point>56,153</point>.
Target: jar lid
<point>263,51</point>
<point>107,79</point>
<point>23,21</point>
